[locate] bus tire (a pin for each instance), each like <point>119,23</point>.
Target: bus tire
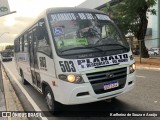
<point>24,82</point>
<point>53,106</point>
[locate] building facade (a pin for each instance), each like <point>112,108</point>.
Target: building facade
<point>93,4</point>
<point>156,26</point>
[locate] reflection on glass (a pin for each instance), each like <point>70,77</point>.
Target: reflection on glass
<point>85,31</point>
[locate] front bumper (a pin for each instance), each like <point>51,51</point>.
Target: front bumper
<point>6,59</point>
<point>83,93</point>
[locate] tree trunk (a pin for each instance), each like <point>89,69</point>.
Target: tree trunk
<point>141,35</point>
<point>144,51</point>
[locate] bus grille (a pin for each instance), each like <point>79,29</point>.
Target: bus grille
<point>98,79</point>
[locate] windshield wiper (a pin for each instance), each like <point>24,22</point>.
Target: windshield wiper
<point>72,49</point>
<point>87,47</point>
<point>95,47</point>
<point>115,45</point>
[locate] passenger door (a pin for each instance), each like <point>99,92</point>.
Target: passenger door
<point>34,68</point>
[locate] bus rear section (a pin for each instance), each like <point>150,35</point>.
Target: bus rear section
<point>88,58</point>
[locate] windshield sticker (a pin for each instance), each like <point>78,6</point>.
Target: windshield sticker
<point>102,17</point>
<point>90,63</point>
<point>58,31</point>
<point>84,16</point>
<point>63,16</point>
<point>75,16</point>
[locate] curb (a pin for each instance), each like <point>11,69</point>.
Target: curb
<point>11,99</point>
<point>147,68</point>
<point>2,102</point>
<point>22,97</point>
<point>2,97</point>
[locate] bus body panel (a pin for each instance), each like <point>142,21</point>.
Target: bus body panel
<point>22,61</point>
<point>71,90</point>
<point>46,68</point>
<point>50,68</point>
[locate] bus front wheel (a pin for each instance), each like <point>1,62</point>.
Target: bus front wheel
<point>52,105</point>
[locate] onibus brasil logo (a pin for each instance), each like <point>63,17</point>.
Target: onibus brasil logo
<point>3,9</point>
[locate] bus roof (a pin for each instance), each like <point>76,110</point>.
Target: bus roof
<point>70,9</point>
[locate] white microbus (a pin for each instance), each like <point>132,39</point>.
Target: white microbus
<point>75,56</point>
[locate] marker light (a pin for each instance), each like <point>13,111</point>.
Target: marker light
<point>62,77</point>
<point>78,78</point>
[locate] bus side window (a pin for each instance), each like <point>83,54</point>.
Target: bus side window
<point>17,46</point>
<point>21,43</point>
<point>43,41</point>
<point>25,43</point>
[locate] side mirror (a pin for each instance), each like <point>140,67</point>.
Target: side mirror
<point>40,32</point>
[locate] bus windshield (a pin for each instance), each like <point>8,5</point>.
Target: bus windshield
<point>76,33</point>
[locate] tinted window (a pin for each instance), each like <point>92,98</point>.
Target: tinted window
<point>25,43</point>
<point>17,46</point>
<point>21,44</point>
<point>43,41</point>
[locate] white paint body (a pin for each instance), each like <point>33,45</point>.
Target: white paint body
<point>66,92</point>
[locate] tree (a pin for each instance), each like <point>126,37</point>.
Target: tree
<point>131,17</point>
<point>11,47</point>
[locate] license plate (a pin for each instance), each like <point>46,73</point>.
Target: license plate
<point>111,85</point>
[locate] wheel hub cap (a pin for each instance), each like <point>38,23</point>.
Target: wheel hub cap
<point>49,100</point>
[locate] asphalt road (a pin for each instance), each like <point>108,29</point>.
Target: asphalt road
<point>144,97</point>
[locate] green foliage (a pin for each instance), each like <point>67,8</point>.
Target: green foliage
<point>9,47</point>
<point>128,14</point>
<point>131,17</point>
<point>107,9</point>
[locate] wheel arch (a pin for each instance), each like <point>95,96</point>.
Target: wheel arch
<point>44,85</point>
<point>20,71</point>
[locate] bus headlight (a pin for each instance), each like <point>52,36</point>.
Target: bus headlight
<point>71,78</point>
<point>132,68</point>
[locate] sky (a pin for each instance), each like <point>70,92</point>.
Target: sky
<point>26,11</point>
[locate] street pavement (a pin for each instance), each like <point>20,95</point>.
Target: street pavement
<point>144,97</point>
